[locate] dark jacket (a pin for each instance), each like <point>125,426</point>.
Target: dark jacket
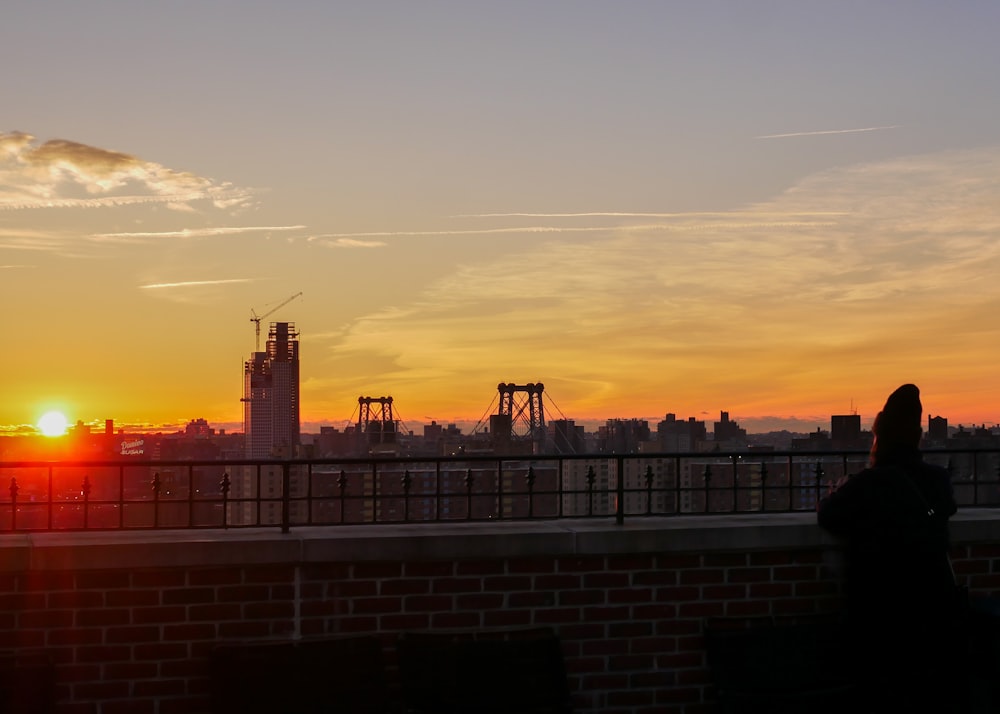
<point>894,521</point>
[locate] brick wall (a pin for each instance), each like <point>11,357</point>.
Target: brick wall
<point>130,620</point>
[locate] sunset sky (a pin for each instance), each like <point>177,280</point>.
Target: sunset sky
<point>782,209</point>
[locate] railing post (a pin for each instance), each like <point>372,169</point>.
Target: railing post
<point>468,494</point>
<point>499,490</point>
<point>620,491</point>
<point>286,487</point>
<point>224,485</point>
<point>13,503</point>
<point>85,490</point>
<point>707,476</point>
<point>530,478</point>
<point>649,490</point>
<point>591,478</point>
<point>342,487</point>
<point>819,480</point>
<point>406,495</point>
<point>156,499</point>
<point>763,486</point>
<point>736,479</point>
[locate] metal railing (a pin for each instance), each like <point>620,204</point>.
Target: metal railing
<point>156,494</point>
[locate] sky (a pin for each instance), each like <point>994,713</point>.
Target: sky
<point>781,209</point>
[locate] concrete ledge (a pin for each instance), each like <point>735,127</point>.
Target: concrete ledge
<point>111,550</point>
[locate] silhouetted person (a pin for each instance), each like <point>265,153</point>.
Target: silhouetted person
<point>900,588</point>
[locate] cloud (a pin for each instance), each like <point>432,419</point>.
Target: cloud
<point>195,283</point>
<point>899,281</point>
<point>67,174</point>
<point>353,243</point>
<point>190,233</point>
<point>830,131</point>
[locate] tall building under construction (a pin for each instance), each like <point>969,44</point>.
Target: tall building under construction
<point>271,396</point>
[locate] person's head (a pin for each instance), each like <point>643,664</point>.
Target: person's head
<point>898,426</point>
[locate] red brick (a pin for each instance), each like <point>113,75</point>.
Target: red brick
<point>215,576</point>
<point>677,561</point>
<point>455,620</point>
<point>243,630</point>
<point>157,615</point>
<point>628,630</point>
<point>189,631</point>
<point>761,591</point>
<point>479,567</point>
<point>355,588</point>
<point>553,582</point>
<point>269,574</point>
<point>402,623</point>
<point>630,595</point>
<point>579,565</point>
<point>102,618</point>
<point>267,610</point>
<point>531,565</point>
<point>326,571</point>
<point>701,609</point>
<point>132,706</point>
<point>408,586</point>
<point>457,585</point>
<point>159,651</point>
<point>101,654</point>
<point>47,581</point>
<point>46,619</point>
<point>352,625</point>
<point>159,688</point>
<point>678,594</point>
<point>74,636</point>
<point>127,635</point>
<point>507,618</point>
<point>75,599</point>
<point>213,613</point>
<point>619,663</point>
<point>129,670</point>
<point>746,608</point>
<point>632,563</point>
<point>362,571</point>
<point>582,597</point>
<point>436,569</point>
<point>101,690</point>
<point>376,605</point>
<point>159,578</point>
<point>480,601</point>
<point>510,583</point>
<point>655,577</point>
<point>428,603</point>
<point>132,598</point>
<point>703,576</point>
<point>606,614</point>
<point>606,580</point>
<point>531,599</point>
<point>557,615</point>
<point>724,560</point>
<point>103,580</point>
<point>748,575</point>
<point>723,592</point>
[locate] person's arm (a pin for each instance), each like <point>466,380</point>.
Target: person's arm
<point>840,509</point>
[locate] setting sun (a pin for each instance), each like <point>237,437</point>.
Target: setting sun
<point>52,424</point>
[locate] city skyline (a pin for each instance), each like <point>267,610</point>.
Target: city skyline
<point>781,211</point>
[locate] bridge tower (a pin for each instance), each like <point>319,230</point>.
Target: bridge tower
<point>521,414</point>
<point>376,425</point>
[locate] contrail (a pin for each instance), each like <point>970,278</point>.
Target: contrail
<point>190,283</point>
<point>832,131</point>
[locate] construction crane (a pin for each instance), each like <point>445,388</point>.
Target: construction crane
<point>255,318</point>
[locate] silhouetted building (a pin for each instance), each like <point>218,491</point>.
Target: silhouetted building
<point>937,429</point>
<point>677,435</point>
<point>271,395</point>
<point>729,432</point>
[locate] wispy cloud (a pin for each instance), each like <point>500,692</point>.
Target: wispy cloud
<point>829,131</point>
<point>66,174</point>
<point>350,243</point>
<point>755,305</point>
<point>764,221</point>
<point>190,233</point>
<point>627,214</point>
<point>15,267</point>
<point>195,283</point>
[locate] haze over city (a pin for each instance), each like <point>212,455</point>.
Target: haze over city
<point>781,209</point>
